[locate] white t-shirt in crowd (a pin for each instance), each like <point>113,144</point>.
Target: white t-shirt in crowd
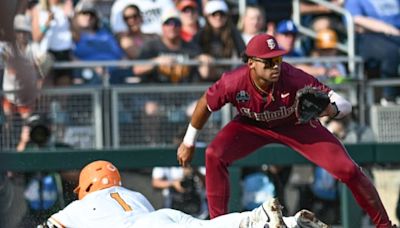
<point>58,36</point>
<point>151,11</point>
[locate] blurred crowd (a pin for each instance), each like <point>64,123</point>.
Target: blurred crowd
<point>170,32</point>
<point>164,36</point>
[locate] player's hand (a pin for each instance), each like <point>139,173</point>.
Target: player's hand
<point>185,154</point>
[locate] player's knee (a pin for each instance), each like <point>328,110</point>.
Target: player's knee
<point>212,155</point>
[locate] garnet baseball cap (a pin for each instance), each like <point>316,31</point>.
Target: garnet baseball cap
<point>264,46</point>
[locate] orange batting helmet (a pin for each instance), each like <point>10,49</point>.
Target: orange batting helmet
<point>96,176</point>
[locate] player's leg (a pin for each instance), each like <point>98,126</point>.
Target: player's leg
<point>234,141</point>
<point>327,151</point>
<point>170,218</point>
<point>268,213</point>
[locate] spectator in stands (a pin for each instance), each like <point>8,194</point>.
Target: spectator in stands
<point>166,52</point>
<point>286,35</point>
<point>325,46</point>
<point>218,39</point>
<point>312,12</point>
<point>152,11</point>
<point>182,188</point>
<point>252,22</point>
<point>93,42</point>
<point>51,30</point>
<point>189,12</point>
<point>133,40</point>
<point>378,40</point>
<point>23,84</point>
<point>319,17</point>
<point>275,11</point>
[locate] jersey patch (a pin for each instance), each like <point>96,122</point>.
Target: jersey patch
<point>242,96</point>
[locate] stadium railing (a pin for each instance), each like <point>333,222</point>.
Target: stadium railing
<point>349,46</point>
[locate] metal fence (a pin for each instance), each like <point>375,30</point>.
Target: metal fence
<point>385,122</point>
<point>157,115</point>
<point>74,117</point>
<point>116,117</point>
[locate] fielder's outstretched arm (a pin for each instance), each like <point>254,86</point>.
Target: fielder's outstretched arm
<point>199,119</point>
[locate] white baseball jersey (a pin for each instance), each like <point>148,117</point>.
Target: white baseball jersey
<point>118,207</point>
<point>115,207</point>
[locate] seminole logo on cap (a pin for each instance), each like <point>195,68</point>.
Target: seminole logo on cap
<point>271,44</point>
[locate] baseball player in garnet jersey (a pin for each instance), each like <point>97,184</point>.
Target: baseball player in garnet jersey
<point>103,202</point>
<point>263,92</point>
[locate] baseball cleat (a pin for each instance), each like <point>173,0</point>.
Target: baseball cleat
<point>307,219</point>
<point>269,214</point>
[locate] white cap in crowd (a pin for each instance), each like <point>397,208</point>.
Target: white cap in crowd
<point>168,14</point>
<point>21,23</point>
<point>86,6</point>
<point>215,6</point>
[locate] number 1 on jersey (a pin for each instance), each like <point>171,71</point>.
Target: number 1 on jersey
<point>124,205</point>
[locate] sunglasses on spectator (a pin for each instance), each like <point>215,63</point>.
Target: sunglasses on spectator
<point>269,63</point>
<point>173,22</point>
<point>188,10</point>
<point>219,13</point>
<point>132,16</point>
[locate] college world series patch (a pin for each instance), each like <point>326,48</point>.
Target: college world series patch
<point>242,96</point>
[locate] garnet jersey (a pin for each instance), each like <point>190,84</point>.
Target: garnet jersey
<point>110,207</point>
<point>236,87</point>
